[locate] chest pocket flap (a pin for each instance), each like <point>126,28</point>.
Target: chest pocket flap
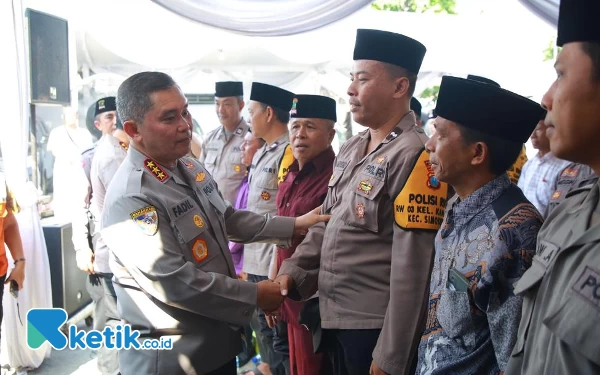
<point>188,220</point>
<point>363,210</point>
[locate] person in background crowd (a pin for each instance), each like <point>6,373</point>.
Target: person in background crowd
<point>539,175</point>
<point>66,143</point>
<point>109,153</point>
<point>11,238</point>
<point>221,151</point>
<point>268,108</point>
<point>415,106</point>
<point>248,149</point>
<point>312,130</point>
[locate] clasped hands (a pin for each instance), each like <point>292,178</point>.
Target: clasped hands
<point>271,294</point>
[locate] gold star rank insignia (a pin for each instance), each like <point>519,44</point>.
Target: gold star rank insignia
<point>153,167</point>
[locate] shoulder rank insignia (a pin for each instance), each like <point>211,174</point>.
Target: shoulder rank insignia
<point>199,250</point>
<point>146,219</point>
<point>570,172</point>
<point>156,170</point>
<point>422,201</point>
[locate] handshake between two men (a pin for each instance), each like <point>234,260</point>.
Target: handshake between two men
<point>271,295</point>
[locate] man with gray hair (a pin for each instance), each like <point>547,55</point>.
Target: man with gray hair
<point>167,225</point>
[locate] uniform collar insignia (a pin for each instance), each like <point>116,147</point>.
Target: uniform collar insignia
<point>155,169</point>
<point>394,134</point>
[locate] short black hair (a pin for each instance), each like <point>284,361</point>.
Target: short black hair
<point>396,71</point>
<point>280,114</point>
<point>502,153</point>
<point>592,49</point>
<point>133,97</point>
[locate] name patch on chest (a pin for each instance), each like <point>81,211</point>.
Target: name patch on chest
<point>546,252</point>
<point>182,207</point>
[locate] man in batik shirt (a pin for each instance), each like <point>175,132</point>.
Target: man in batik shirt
<point>488,236</point>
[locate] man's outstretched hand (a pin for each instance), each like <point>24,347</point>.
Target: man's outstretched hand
<point>308,220</point>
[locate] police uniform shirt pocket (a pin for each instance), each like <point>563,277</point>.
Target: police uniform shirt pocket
<point>267,186</point>
<point>456,318</point>
<point>577,321</point>
<point>194,239</point>
<point>188,219</point>
<point>363,210</point>
<point>235,169</point>
<point>211,157</point>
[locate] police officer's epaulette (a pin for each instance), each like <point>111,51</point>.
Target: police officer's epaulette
<point>156,170</point>
<point>580,190</point>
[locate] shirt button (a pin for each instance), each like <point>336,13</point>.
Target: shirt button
<point>287,204</point>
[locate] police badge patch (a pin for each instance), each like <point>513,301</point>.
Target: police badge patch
<point>146,219</point>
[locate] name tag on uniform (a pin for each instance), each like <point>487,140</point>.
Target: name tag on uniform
<point>182,207</point>
<point>546,252</point>
<point>588,286</point>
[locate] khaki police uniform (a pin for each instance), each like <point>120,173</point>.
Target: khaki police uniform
<point>574,176</point>
<point>269,166</point>
<point>560,324</point>
<point>371,263</point>
<point>222,158</point>
<point>174,275</point>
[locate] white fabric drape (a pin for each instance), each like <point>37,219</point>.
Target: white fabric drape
<point>265,17</point>
<point>36,292</point>
<point>14,142</point>
<point>545,9</point>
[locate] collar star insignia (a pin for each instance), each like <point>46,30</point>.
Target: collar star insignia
<point>153,167</point>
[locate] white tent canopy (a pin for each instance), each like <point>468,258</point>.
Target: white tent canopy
<point>505,44</point>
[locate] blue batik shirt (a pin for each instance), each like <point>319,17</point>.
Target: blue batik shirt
<point>490,238</point>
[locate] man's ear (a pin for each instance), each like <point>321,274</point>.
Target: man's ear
<point>97,125</point>
<point>270,113</point>
<point>402,86</point>
<point>241,105</point>
<point>480,153</point>
<point>132,129</point>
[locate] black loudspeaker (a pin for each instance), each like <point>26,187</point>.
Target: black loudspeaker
<point>69,290</point>
<point>49,58</point>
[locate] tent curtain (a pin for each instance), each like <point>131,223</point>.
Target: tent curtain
<point>545,9</point>
<point>14,131</point>
<point>265,17</point>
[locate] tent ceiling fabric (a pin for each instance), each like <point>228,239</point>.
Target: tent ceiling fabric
<point>545,9</point>
<point>265,17</point>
